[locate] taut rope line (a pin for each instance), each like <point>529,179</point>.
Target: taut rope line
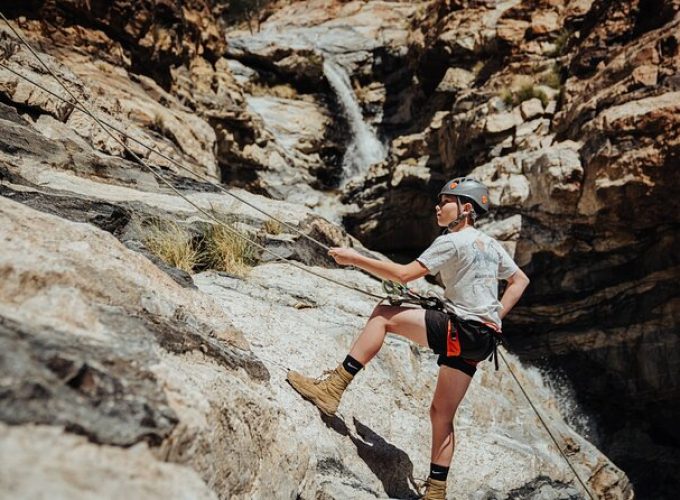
<point>134,155</point>
<point>545,426</point>
<point>77,104</point>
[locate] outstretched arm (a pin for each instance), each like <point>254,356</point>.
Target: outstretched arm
<point>403,273</point>
<point>517,283</point>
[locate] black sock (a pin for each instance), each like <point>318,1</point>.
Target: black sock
<point>438,472</point>
<point>352,365</point>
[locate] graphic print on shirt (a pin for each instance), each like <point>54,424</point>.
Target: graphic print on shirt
<point>470,265</point>
<point>485,262</point>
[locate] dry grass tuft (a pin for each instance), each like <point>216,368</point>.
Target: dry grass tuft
<point>552,77</point>
<point>272,226</point>
<point>225,251</point>
<point>524,93</point>
<point>560,43</point>
<point>171,243</point>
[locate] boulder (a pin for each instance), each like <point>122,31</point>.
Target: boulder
<point>531,108</point>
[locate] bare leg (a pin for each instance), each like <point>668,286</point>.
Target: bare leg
<point>451,387</point>
<point>405,321</point>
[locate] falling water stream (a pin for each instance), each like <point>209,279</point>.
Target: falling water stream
<point>364,148</point>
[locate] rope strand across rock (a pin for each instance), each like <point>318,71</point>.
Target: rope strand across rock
<point>107,127</point>
<point>85,110</point>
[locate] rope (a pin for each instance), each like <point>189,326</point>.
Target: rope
<point>210,216</point>
<point>545,426</point>
<point>151,149</point>
<point>77,104</point>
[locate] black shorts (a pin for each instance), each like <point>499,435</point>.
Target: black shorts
<point>460,344</point>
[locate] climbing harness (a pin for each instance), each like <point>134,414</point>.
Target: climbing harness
<point>397,294</point>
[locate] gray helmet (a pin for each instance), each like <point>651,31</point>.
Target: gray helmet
<point>470,190</point>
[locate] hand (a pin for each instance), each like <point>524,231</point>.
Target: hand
<point>344,256</point>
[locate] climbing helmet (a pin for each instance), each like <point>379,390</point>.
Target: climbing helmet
<point>468,190</point>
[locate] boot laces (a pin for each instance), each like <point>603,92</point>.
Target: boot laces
<point>323,377</point>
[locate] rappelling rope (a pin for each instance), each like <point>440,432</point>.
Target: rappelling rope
<point>85,110</point>
<point>545,426</point>
<point>77,104</point>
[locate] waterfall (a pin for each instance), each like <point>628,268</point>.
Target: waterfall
<point>365,148</point>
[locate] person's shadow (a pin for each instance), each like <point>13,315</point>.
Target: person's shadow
<point>390,465</point>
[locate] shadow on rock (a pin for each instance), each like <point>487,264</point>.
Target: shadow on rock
<point>391,466</point>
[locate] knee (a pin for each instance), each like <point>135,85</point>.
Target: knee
<point>381,313</point>
<point>439,413</point>
<point>434,411</point>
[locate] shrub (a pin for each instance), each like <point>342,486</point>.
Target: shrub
<point>530,91</point>
<point>171,243</point>
<point>283,91</point>
<point>507,97</point>
<point>249,11</point>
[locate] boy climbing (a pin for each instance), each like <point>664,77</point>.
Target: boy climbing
<point>471,264</point>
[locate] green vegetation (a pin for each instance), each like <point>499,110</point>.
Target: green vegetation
<point>552,78</point>
<point>250,11</point>
<point>508,98</point>
<point>560,43</point>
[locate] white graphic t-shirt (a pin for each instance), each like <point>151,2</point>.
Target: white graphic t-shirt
<point>470,263</point>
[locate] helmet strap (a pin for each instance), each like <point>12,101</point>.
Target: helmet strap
<point>461,215</point>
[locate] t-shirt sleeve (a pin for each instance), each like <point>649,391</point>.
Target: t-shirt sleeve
<point>506,266</point>
<point>442,251</point>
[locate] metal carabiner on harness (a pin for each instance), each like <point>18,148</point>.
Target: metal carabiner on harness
<point>398,294</point>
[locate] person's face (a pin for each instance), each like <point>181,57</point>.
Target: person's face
<point>446,209</point>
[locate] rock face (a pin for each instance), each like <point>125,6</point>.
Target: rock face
<point>572,119</point>
<point>105,345</point>
<point>116,364</point>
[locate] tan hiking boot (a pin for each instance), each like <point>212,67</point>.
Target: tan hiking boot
<point>324,392</point>
<point>435,490</point>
